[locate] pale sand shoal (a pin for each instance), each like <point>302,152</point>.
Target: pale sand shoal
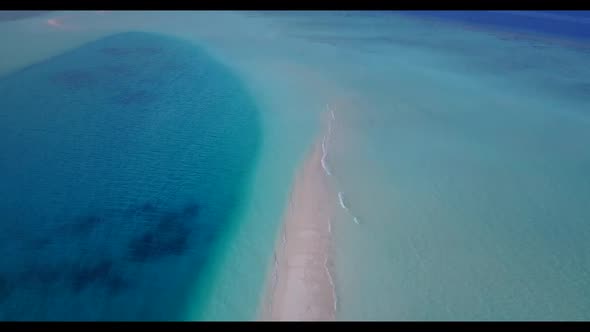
<point>301,287</point>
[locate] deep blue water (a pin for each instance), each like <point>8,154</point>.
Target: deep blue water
<point>122,162</point>
<point>13,15</point>
<point>564,24</point>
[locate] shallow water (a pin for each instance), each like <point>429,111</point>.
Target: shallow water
<point>468,169</point>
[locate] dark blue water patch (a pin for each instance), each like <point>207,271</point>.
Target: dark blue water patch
<point>169,236</point>
<point>15,15</point>
<point>122,165</point>
<point>135,97</point>
<point>563,24</point>
<point>131,51</point>
<point>75,78</point>
<point>80,225</point>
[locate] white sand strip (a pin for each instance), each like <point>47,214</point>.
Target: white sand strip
<point>303,288</point>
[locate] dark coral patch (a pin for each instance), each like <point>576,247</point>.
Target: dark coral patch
<point>173,66</point>
<point>5,288</point>
<point>172,240</point>
<point>147,208</point>
<point>191,210</point>
<point>85,224</point>
<point>124,51</point>
<point>115,284</point>
<point>40,276</point>
<point>140,97</point>
<point>169,236</point>
<point>75,78</point>
<point>40,243</point>
<point>83,277</point>
<point>79,226</point>
<point>103,275</point>
<point>119,69</point>
<point>146,211</point>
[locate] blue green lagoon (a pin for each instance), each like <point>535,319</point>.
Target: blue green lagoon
<point>149,161</point>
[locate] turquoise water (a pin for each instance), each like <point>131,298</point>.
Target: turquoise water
<point>461,151</point>
<point>464,157</point>
<point>462,154</point>
<point>123,163</point>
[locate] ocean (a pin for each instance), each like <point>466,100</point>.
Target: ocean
<point>458,149</point>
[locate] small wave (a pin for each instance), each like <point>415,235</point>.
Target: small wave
<point>325,142</point>
<point>325,148</point>
<point>325,167</point>
<point>325,164</point>
<point>345,207</point>
<point>341,199</point>
<point>331,111</point>
<point>324,156</point>
<point>331,280</point>
<point>274,282</point>
<point>275,272</point>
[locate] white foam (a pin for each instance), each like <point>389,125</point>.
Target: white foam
<point>275,281</point>
<point>323,161</point>
<point>331,280</point>
<point>284,239</point>
<point>343,205</point>
<point>331,111</point>
<point>325,167</point>
<point>341,199</point>
<point>325,149</point>
<point>275,272</point>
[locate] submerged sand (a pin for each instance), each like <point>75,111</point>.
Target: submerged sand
<point>301,286</point>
